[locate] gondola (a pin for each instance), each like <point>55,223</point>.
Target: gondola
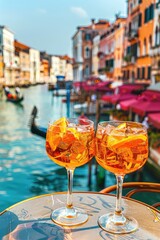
<point>40,131</point>
<point>15,99</point>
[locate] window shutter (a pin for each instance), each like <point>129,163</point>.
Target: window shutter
<point>140,20</point>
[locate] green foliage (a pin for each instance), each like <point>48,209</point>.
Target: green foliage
<point>127,58</point>
<point>154,138</point>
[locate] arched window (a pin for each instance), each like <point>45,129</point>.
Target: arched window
<point>87,52</point>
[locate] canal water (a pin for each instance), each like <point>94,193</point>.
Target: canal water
<point>25,169</point>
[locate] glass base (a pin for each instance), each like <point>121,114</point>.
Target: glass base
<point>117,225</point>
<point>69,217</point>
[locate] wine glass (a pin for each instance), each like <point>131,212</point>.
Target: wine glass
<point>121,148</point>
<point>70,143</point>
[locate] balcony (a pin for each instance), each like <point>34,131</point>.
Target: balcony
<point>132,35</point>
<point>155,51</point>
<point>129,59</point>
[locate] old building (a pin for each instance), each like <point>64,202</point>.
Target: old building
<point>111,50</point>
<point>68,68</point>
<point>120,24</point>
<point>131,41</point>
<point>139,31</point>
<point>22,62</point>
<point>155,51</point>
<point>95,59</point>
<point>145,41</point>
<point>82,48</point>
<point>7,53</point>
<point>34,66</point>
<point>44,67</point>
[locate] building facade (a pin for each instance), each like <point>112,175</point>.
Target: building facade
<point>120,24</point>
<point>111,50</point>
<point>34,66</point>
<point>22,62</point>
<point>82,48</point>
<point>7,54</point>
<point>144,62</point>
<point>95,59</point>
<point>155,51</point>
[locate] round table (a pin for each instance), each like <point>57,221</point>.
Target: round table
<point>30,219</point>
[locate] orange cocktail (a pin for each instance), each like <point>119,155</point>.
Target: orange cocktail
<point>123,148</point>
<point>70,145</point>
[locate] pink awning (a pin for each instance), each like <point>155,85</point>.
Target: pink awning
<point>144,107</point>
<point>121,97</point>
<point>125,105</point>
<point>122,93</point>
<point>154,119</point>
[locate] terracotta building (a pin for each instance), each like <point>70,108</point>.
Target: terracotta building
<point>139,29</point>
<point>22,62</point>
<point>44,67</point>
<point>155,52</point>
<point>111,50</point>
<point>82,48</point>
<point>145,41</point>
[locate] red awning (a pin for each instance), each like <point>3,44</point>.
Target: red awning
<point>122,93</point>
<point>154,119</point>
<point>144,107</point>
<point>125,105</point>
<point>121,97</point>
<point>130,87</point>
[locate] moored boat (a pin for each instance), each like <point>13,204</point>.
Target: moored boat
<point>38,130</point>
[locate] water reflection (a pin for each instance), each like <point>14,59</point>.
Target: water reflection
<point>25,169</point>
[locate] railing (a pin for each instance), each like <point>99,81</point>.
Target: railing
<point>133,34</point>
<point>155,51</point>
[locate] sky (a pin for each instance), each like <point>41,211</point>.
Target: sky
<point>49,25</point>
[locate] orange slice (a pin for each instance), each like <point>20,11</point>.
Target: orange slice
<point>129,141</point>
<point>62,123</point>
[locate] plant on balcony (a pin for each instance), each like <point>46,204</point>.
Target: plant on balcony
<point>127,58</point>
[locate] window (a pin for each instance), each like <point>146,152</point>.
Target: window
<point>156,36</point>
<point>140,20</point>
<point>144,47</point>
<point>143,72</point>
<point>150,43</point>
<point>149,13</point>
<point>87,37</point>
<point>87,71</point>
<point>138,49</point>
<point>138,73</point>
<point>149,73</point>
<point>87,52</point>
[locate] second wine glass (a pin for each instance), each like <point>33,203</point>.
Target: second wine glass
<point>70,144</point>
<point>121,148</point>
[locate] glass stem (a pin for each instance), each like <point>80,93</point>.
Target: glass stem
<point>70,185</point>
<point>118,210</point>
